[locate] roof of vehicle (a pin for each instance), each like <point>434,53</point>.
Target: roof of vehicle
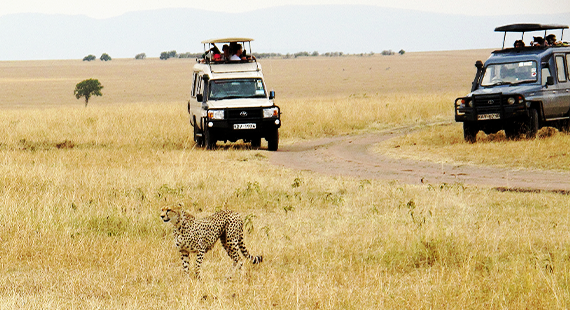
<point>529,27</point>
<point>530,53</point>
<point>230,70</point>
<point>227,40</point>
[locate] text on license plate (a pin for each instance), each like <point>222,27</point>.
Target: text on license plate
<point>483,117</point>
<point>244,126</point>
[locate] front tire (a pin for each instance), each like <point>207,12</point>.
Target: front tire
<point>470,131</point>
<point>532,124</point>
<point>256,142</point>
<point>198,136</point>
<point>273,140</point>
<point>512,131</point>
<point>209,139</point>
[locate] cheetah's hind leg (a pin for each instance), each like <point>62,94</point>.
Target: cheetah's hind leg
<point>233,252</point>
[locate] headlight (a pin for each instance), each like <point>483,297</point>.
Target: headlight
<point>271,112</point>
<point>466,103</point>
<point>216,114</point>
<point>511,100</point>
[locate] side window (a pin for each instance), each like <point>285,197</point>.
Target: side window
<point>199,85</point>
<point>194,80</point>
<point>568,62</point>
<point>560,68</point>
<point>545,74</point>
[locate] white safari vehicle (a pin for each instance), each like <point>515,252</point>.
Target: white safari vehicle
<point>229,99</point>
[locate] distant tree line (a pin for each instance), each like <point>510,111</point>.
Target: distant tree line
<point>173,54</point>
<point>104,57</point>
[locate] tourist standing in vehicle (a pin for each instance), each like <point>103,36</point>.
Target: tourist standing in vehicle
<point>519,44</point>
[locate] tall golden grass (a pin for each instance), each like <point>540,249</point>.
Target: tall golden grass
<point>445,143</point>
<point>81,189</point>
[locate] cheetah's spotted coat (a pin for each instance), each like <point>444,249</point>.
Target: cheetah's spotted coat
<point>193,235</point>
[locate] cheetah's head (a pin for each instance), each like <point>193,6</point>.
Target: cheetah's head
<point>170,214</point>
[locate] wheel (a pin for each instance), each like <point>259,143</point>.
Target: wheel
<point>256,142</point>
<point>198,136</point>
<point>470,132</point>
<point>565,126</point>
<point>209,139</point>
<point>273,140</point>
<point>531,126</point>
<point>513,131</point>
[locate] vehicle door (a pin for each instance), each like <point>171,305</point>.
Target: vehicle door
<point>195,108</point>
<point>560,91</point>
<point>548,92</point>
<point>563,87</point>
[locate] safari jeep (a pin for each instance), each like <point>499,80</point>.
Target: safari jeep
<point>519,89</point>
<point>229,99</point>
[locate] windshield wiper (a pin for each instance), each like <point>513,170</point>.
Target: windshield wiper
<point>498,84</point>
<point>523,81</point>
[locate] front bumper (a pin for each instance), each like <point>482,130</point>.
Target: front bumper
<point>490,108</point>
<point>232,130</point>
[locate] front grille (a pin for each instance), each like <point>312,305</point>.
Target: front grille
<point>244,114</point>
<point>488,103</point>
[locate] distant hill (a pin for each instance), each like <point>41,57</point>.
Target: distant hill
<point>287,29</point>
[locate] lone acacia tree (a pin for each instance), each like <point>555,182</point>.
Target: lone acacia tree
<point>88,88</point>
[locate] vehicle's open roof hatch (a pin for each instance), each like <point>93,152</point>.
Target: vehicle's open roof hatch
<point>529,27</point>
<point>229,40</point>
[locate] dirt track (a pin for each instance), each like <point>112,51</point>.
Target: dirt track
<point>353,156</point>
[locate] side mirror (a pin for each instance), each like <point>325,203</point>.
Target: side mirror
<point>550,80</point>
<point>199,97</point>
<point>272,94</point>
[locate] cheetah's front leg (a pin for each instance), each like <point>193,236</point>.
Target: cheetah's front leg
<point>184,255</point>
<point>199,258</point>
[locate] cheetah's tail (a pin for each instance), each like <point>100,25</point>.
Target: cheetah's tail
<point>253,259</point>
<point>256,259</point>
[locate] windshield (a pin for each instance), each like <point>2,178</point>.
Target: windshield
<point>236,88</point>
<point>510,73</point>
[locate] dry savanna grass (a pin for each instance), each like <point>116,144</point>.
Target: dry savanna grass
<point>445,143</point>
<point>81,191</point>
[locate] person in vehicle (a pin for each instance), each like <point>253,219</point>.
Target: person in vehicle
<point>551,40</point>
<point>237,53</point>
<point>539,41</point>
<point>226,52</point>
<point>519,44</point>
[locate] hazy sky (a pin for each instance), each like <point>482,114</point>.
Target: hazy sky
<point>110,8</point>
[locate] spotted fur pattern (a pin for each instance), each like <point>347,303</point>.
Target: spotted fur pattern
<point>192,235</point>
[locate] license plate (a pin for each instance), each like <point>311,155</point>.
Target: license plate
<point>244,126</point>
<point>483,117</point>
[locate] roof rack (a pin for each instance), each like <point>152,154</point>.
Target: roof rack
<point>210,44</point>
<point>529,27</point>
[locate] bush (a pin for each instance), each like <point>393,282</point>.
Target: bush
<point>105,57</point>
<point>89,58</point>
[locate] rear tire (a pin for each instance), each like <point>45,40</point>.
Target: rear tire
<point>470,131</point>
<point>273,140</point>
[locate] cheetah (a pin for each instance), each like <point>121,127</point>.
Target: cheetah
<point>192,235</point>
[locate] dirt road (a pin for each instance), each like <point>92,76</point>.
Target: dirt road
<point>353,156</point>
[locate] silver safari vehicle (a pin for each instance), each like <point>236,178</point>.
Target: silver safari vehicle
<point>519,89</point>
